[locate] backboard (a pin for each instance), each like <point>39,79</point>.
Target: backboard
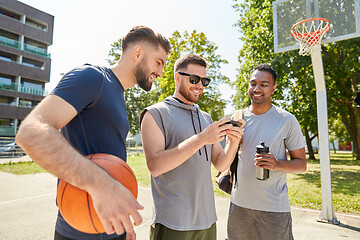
<point>344,16</point>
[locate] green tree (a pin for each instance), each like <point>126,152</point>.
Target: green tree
<point>296,88</point>
<point>194,42</point>
<point>342,76</point>
<point>257,35</point>
<point>337,131</point>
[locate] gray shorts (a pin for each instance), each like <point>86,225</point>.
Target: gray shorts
<point>248,224</point>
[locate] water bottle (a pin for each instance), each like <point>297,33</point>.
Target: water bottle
<point>262,173</point>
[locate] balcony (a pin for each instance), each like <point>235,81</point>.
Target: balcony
<point>27,47</point>
<point>34,91</point>
<point>14,87</point>
<point>36,50</point>
<point>10,42</point>
<point>7,131</point>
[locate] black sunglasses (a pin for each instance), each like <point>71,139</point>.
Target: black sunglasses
<point>195,79</point>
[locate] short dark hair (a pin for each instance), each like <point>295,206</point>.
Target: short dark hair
<point>266,68</point>
<point>183,62</point>
<point>145,34</point>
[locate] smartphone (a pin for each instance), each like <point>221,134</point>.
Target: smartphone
<point>233,122</point>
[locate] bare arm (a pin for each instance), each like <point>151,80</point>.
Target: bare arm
<point>157,157</point>
<point>40,138</point>
<point>297,163</point>
<point>222,159</point>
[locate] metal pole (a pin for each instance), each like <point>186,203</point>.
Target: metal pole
<point>327,212</point>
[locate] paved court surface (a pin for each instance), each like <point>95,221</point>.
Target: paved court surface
<point>28,211</point>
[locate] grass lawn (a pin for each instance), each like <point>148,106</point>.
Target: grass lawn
<point>304,189</point>
<point>21,168</point>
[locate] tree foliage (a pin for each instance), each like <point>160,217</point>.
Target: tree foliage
<point>194,42</point>
<point>337,130</point>
<point>295,86</point>
<point>342,76</point>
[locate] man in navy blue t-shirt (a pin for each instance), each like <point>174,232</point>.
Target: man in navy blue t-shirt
<point>88,106</point>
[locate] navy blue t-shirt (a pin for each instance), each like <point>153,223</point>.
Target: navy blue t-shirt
<point>101,125</point>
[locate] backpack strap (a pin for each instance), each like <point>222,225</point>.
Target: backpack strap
<point>233,168</point>
<point>238,114</point>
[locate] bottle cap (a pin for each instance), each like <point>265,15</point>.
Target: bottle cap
<point>262,148</point>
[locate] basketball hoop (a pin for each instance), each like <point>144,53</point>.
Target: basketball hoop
<point>309,33</point>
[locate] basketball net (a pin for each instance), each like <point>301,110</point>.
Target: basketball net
<point>309,33</point>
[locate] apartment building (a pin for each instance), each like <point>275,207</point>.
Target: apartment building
<point>25,35</point>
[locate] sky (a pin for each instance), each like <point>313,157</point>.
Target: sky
<point>85,29</point>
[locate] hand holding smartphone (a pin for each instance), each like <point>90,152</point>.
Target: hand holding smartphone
<point>233,122</point>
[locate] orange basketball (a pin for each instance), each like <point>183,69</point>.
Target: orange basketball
<point>76,206</point>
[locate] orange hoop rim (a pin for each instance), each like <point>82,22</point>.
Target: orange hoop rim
<point>316,33</point>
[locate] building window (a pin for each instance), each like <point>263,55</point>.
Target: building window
<point>9,14</point>
<point>6,126</point>
<point>7,101</point>
<point>36,24</point>
<point>7,57</point>
<point>6,79</point>
<point>31,84</point>
<point>9,39</point>
<point>32,63</point>
<point>32,87</point>
<point>5,122</point>
<point>27,103</point>
<point>7,82</point>
<point>36,47</point>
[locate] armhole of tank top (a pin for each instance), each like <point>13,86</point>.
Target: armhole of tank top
<point>163,126</point>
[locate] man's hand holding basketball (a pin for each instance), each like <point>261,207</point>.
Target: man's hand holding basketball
<point>114,205</point>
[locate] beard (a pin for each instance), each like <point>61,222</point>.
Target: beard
<point>187,95</point>
<point>142,75</point>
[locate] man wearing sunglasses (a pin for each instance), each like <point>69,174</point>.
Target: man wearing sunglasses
<point>180,142</point>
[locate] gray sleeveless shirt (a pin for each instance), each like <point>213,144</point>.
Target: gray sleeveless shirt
<point>184,196</point>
